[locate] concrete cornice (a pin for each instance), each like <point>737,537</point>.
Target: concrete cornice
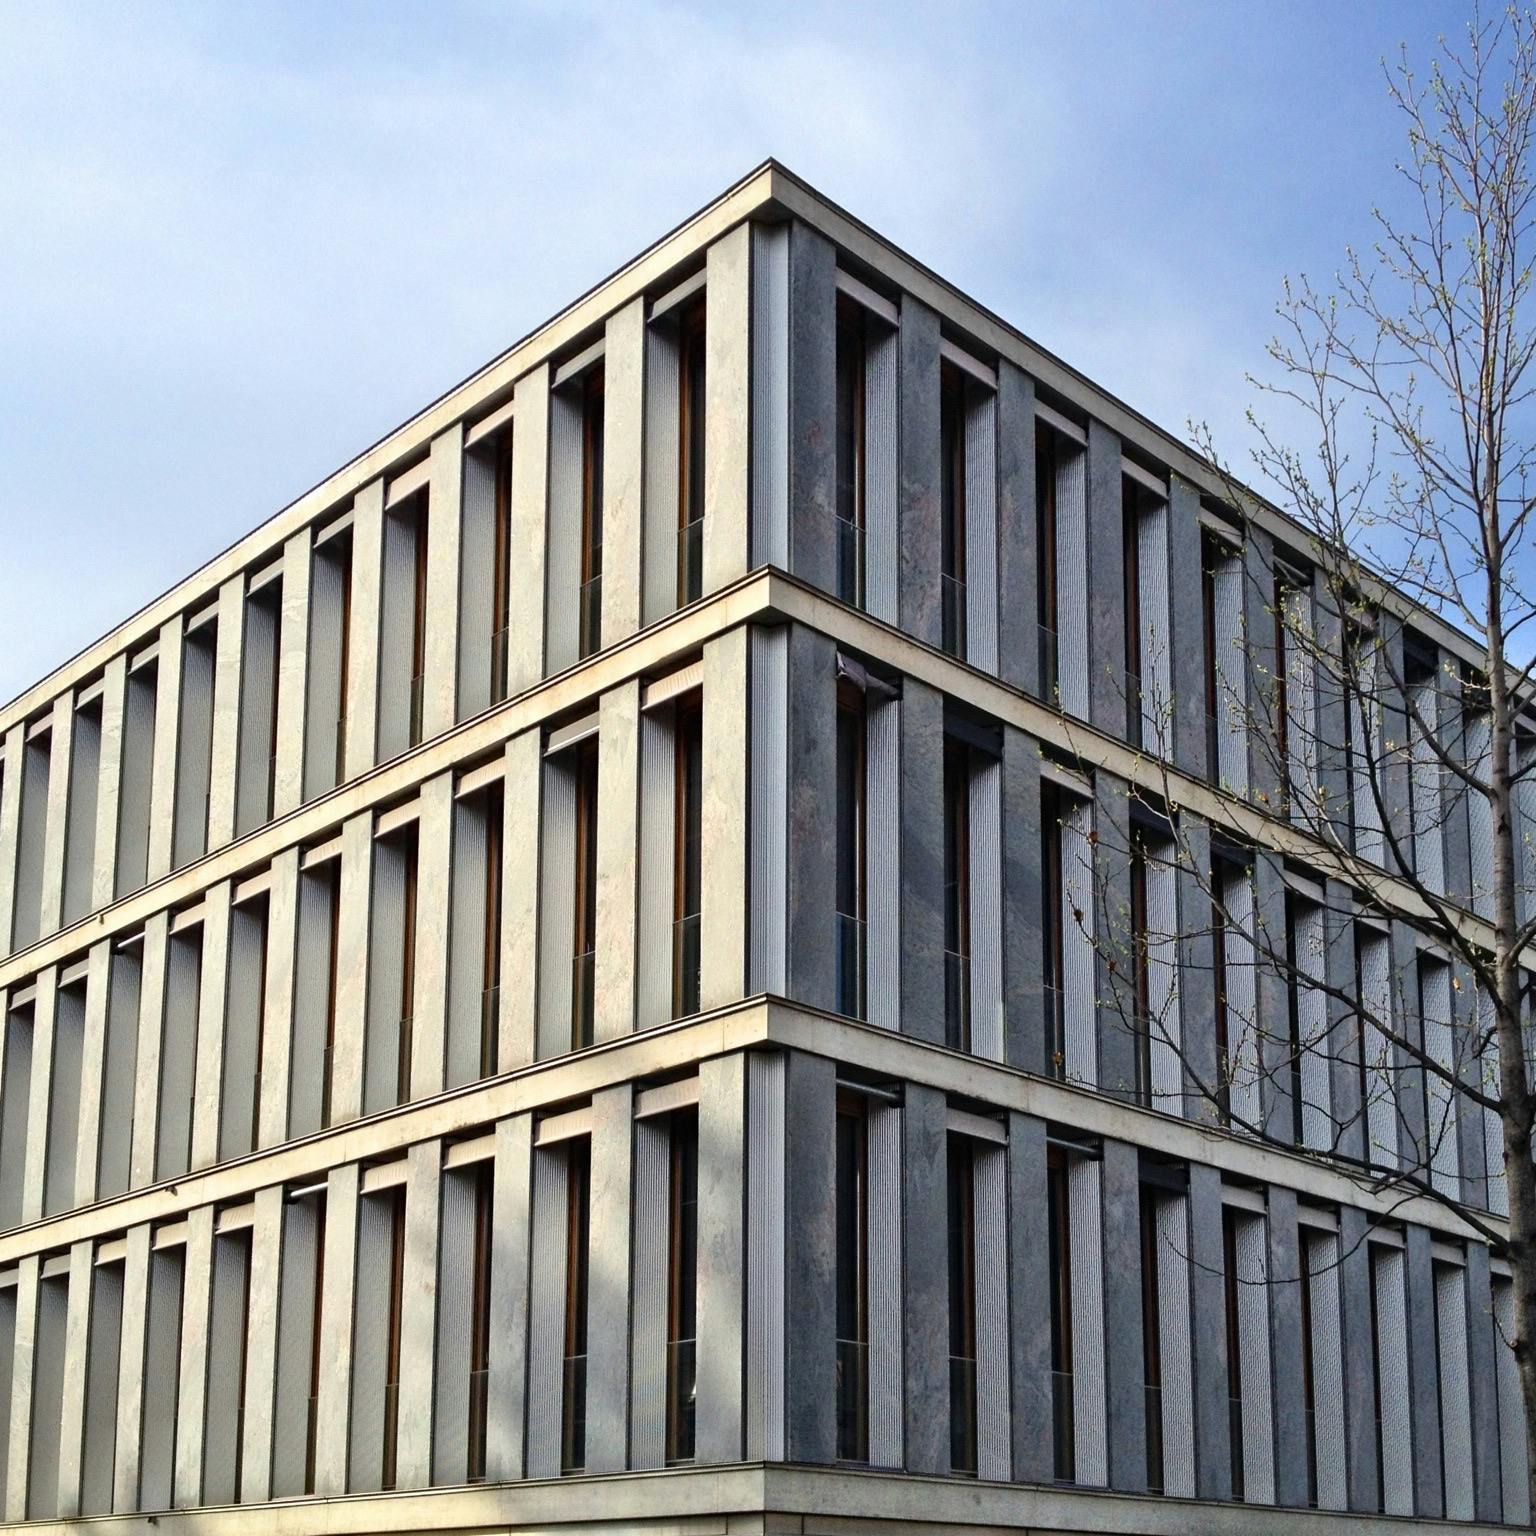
<point>749,1499</point>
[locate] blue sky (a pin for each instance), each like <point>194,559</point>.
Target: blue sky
<point>239,242</point>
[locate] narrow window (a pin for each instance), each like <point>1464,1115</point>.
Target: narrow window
<point>952,506</point>
<point>1293,1013</point>
<point>591,597</point>
<point>1284,595</point>
<point>396,1198</point>
<point>332,878</point>
<point>586,894</point>
<point>850,850</point>
<point>1045,556</point>
<point>1219,989</point>
<point>957,896</point>
<point>852,1279</point>
<point>1151,1339</point>
<point>1062,1406</point>
<point>962,1308</point>
<point>573,1429</point>
<point>850,452</point>
<point>690,503</point>
<point>1234,1351</point>
<point>1051,922</point>
<point>682,1285</point>
<point>687,858</point>
<point>501,568</point>
<point>490,964</point>
<point>480,1320</point>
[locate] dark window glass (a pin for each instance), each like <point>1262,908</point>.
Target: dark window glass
<point>691,508</point>
<point>586,893</point>
<point>962,1307</point>
<point>850,453</point>
<point>591,596</point>
<point>573,1428</point>
<point>1234,1352</point>
<point>682,1286</point>
<point>952,506</point>
<point>687,870</point>
<point>480,1319</point>
<point>1062,1404</point>
<point>850,851</point>
<point>1151,1340</point>
<point>852,1280</point>
<point>957,896</point>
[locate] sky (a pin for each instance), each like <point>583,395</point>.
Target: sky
<point>241,242</point>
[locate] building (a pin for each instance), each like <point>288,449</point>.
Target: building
<point>538,986</point>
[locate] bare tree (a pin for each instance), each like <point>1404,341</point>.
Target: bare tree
<point>1396,429</point>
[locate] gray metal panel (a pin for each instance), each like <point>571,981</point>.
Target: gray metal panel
<point>1483,1348</point>
<point>136,776</point>
<point>1023,899</point>
<point>919,601</point>
<point>883,797</point>
<point>727,408</point>
<point>925,1280</point>
<point>80,829</point>
<point>443,529</point>
<point>557,910</point>
<point>469,875</point>
<point>370,1329</point>
<point>1381,1113</point>
<point>1124,1363</point>
<point>1107,702</point>
<point>1320,1254</point>
<point>403,528</point>
<point>1232,704</point>
<point>608,1284</point>
<point>1272,978</point>
<point>47,1397</point>
<point>1153,698</point>
<point>162,1372</point>
<point>262,1322</point>
<point>1514,1473</point>
<point>259,653</point>
<point>618,837</point>
<point>1359,1349</point>
<point>1072,659</point>
<point>326,686</point>
<point>546,1310</point>
<point>658,801</point>
<point>103,1353</point>
<point>130,1385</point>
<point>921,722</point>
<point>810,1259</point>
<point>1348,1130</point>
<point>1029,1278</point>
<point>1300,684</point>
<point>194,746</point>
<point>882,473</point>
<point>981,593</point>
<point>244,1018</point>
<point>477,580</point>
<point>64,1083</point>
<point>986,906</point>
<point>812,413</point>
<point>1455,1391</point>
<point>1317,1128</point>
<point>994,1450</point>
<point>298,1312</point>
<point>308,1065</point>
<point>178,1053</point>
<point>530,479</point>
<point>1287,1346</point>
<point>1197,981</point>
<point>771,320</point>
<point>722,1258</point>
<point>562,611</point>
<point>1175,1344</point>
<point>768,788</point>
<point>1426,788</point>
<point>387,1003</point>
<point>648,1296</point>
<point>453,1285</point>
<point>811,746</point>
<point>426,1063</point>
<point>1392,1380</point>
<point>511,1232</point>
<point>522,784</point>
<point>227,1356</point>
<point>1111,892</point>
<point>1017,533</point>
<point>292,674</point>
<point>1441,1135</point>
<point>26,915</point>
<point>766,1255</point>
<point>1085,1248</point>
<point>1253,1342</point>
<point>883,1225</point>
<point>1243,1023</point>
<point>430,1284</point>
<point>624,349</point>
<point>1423,1372</point>
<point>1165,1046</point>
<point>1186,633</point>
<point>1478,742</point>
<point>1079,954</point>
<point>662,458</point>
